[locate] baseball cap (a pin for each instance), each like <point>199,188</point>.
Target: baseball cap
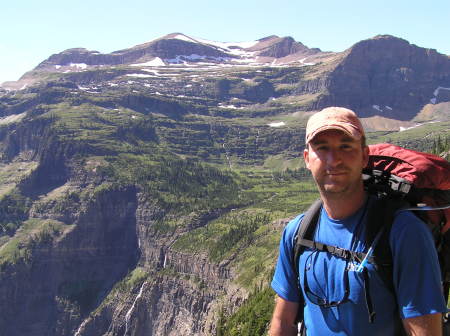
<point>338,118</point>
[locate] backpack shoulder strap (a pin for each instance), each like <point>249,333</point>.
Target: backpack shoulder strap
<point>306,229</point>
<point>380,216</point>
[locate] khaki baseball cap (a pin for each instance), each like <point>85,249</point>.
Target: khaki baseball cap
<point>338,118</point>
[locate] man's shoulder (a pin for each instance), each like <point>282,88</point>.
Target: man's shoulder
<point>407,220</point>
<point>407,227</point>
<point>292,227</point>
<point>294,223</point>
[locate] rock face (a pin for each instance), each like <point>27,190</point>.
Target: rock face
<point>102,242</point>
<point>389,77</point>
<point>274,46</point>
<point>56,290</point>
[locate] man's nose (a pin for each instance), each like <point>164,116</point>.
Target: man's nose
<point>333,157</point>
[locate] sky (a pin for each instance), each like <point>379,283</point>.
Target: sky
<point>33,30</point>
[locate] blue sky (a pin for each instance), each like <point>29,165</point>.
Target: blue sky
<point>32,30</point>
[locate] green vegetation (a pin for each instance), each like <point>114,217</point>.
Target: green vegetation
<point>133,280</point>
<point>130,283</point>
<point>181,186</point>
<point>34,233</point>
<point>246,235</point>
<point>441,145</point>
<point>423,138</point>
<point>252,317</point>
<point>13,211</point>
<point>225,236</point>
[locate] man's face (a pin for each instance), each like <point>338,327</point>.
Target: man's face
<point>336,161</point>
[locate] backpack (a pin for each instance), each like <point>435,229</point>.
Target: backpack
<point>400,179</point>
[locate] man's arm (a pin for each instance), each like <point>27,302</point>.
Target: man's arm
<point>283,318</point>
<point>426,325</point>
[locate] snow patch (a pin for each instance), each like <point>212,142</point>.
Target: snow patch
<point>228,106</point>
<point>78,65</point>
<point>277,124</point>
<point>154,62</point>
<point>181,59</point>
<point>401,128</point>
<point>436,93</point>
<point>229,45</point>
<point>377,107</point>
<point>184,38</point>
<point>57,67</point>
<point>388,107</point>
<point>139,75</point>
<point>152,71</point>
<point>302,61</point>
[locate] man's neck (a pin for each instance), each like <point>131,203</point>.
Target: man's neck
<point>342,206</point>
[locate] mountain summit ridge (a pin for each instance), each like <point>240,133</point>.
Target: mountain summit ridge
<point>177,46</point>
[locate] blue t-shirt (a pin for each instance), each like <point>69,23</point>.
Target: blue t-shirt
<point>416,277</point>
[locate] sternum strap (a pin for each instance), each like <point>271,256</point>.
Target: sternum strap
<point>335,251</point>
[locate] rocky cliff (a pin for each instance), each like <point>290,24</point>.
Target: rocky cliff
<point>388,76</point>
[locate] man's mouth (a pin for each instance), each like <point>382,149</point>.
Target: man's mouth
<point>336,173</point>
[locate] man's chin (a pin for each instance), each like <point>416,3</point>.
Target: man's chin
<point>334,189</point>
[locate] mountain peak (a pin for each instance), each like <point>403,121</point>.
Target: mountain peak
<point>178,36</point>
<point>268,38</point>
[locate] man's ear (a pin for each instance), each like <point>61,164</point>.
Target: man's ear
<point>365,156</point>
<point>306,156</point>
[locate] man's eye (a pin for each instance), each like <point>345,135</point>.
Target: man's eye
<point>346,147</point>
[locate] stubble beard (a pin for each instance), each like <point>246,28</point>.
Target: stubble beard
<point>335,190</point>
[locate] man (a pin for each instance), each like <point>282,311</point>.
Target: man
<point>332,289</point>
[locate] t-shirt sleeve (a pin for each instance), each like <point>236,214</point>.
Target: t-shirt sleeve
<point>417,275</point>
<point>285,280</point>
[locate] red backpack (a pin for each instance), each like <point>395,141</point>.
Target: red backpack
<point>421,178</point>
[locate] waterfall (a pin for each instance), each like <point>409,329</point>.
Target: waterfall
<point>133,306</point>
<point>80,327</point>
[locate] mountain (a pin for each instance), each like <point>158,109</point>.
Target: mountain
<point>143,192</point>
<point>389,77</point>
<point>383,76</point>
<point>176,48</point>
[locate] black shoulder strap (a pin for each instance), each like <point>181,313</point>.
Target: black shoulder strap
<point>381,215</point>
<point>306,229</point>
